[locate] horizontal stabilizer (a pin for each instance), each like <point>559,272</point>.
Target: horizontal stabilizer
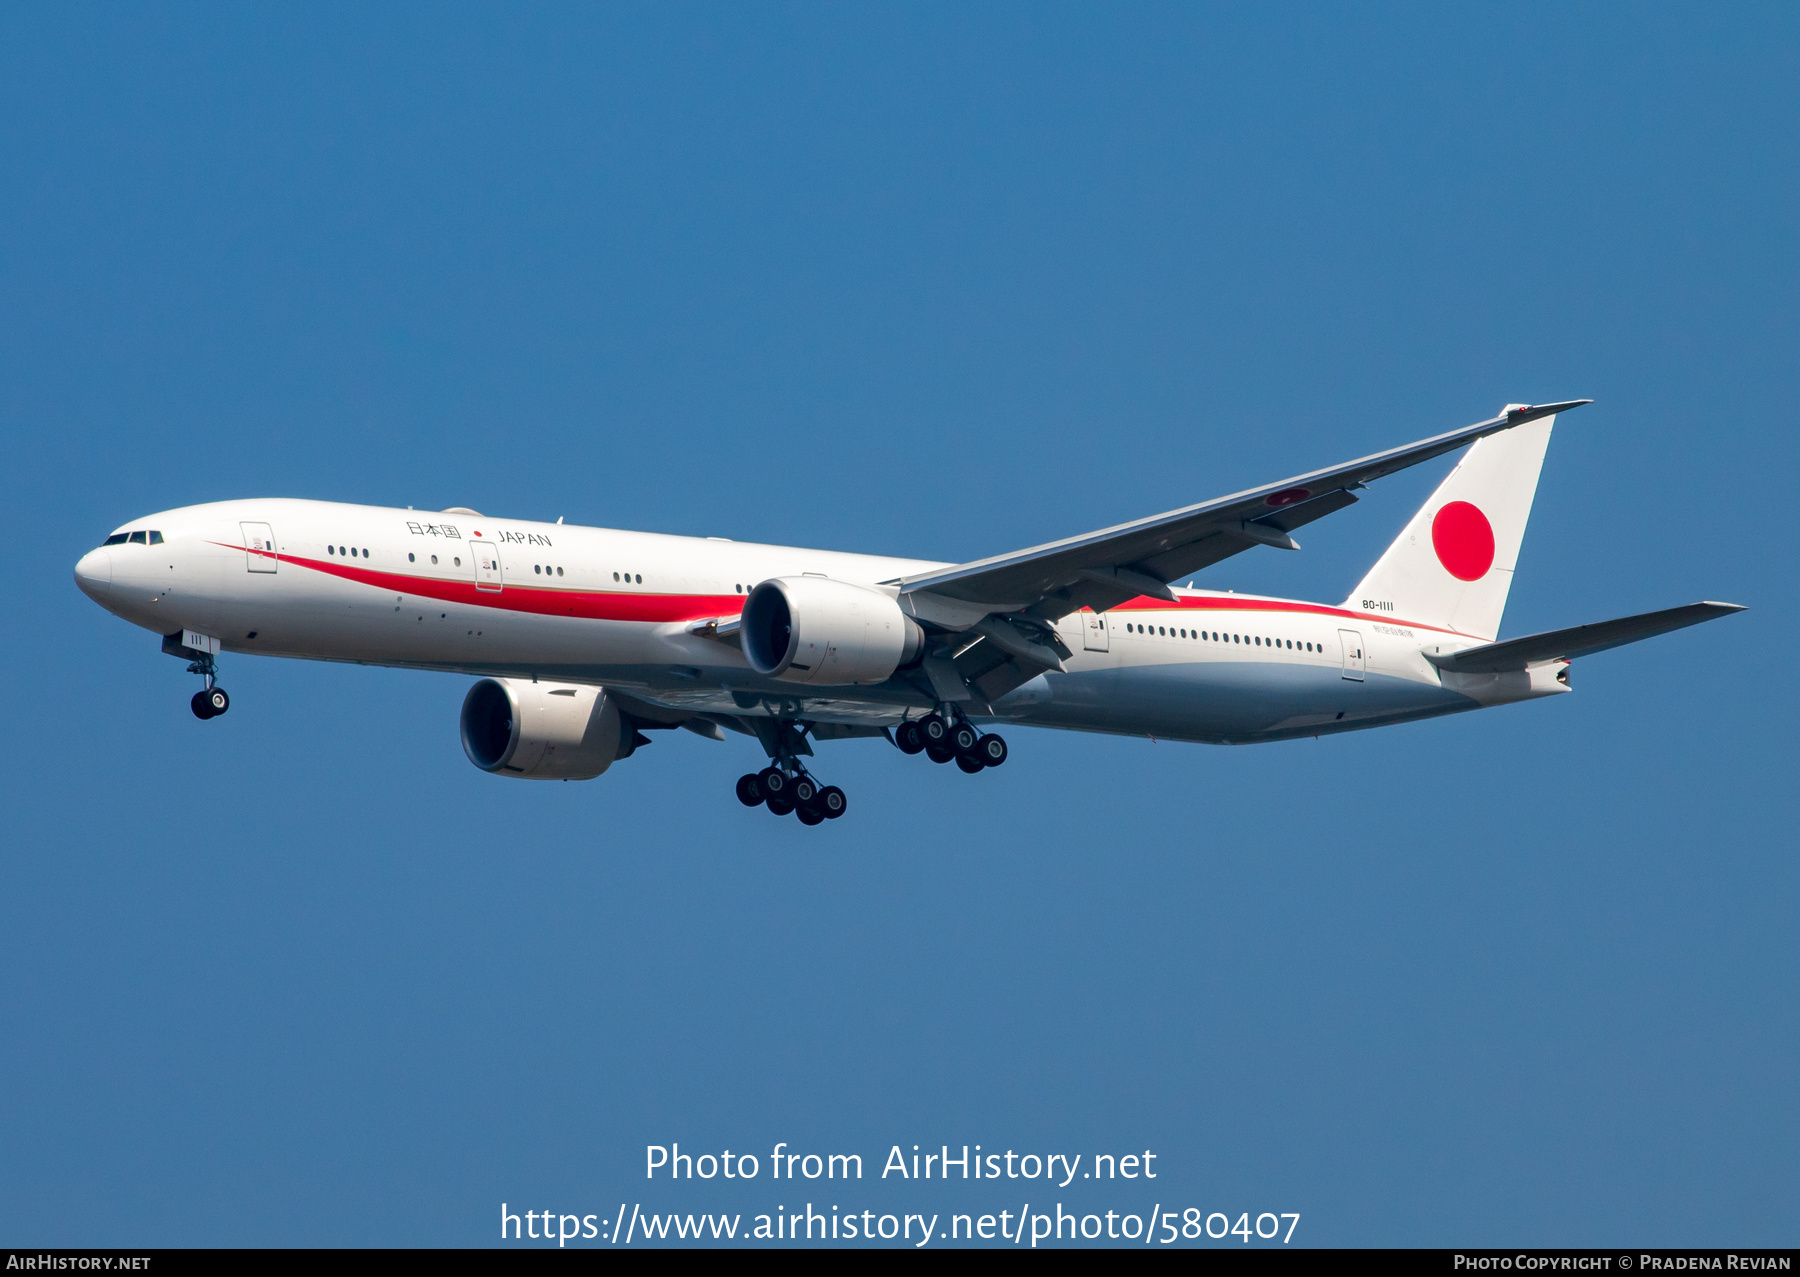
<point>1582,640</point>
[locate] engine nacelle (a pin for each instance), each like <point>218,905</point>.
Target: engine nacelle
<point>811,629</point>
<point>542,731</point>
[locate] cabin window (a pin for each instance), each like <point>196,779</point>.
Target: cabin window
<point>559,571</point>
<point>411,559</point>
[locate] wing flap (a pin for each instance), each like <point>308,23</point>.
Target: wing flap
<point>1579,640</point>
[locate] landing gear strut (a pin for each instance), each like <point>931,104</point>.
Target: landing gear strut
<point>211,700</point>
<point>945,735</point>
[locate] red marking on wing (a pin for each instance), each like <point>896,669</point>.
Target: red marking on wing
<point>1287,496</point>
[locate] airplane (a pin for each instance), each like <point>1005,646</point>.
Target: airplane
<point>585,639</point>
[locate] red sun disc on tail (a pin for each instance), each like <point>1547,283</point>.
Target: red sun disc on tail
<point>1464,541</point>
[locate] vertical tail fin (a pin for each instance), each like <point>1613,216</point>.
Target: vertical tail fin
<point>1453,565</point>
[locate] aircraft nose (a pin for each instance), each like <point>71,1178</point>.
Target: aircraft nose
<point>94,574</point>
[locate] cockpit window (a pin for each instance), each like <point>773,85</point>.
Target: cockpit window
<point>138,538</point>
<point>117,538</point>
<point>155,537</point>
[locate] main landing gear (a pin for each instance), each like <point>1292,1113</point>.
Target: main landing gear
<point>787,787</point>
<point>211,700</point>
<point>946,735</point>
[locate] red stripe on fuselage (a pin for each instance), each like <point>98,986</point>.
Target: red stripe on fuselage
<point>1213,603</point>
<point>599,605</point>
<point>589,605</point>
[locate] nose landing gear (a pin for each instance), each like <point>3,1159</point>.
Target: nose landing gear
<point>211,700</point>
<point>199,650</point>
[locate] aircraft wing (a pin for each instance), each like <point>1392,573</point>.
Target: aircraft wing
<point>1581,640</point>
<point>1105,568</point>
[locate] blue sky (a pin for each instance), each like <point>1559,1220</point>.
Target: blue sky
<point>928,281</point>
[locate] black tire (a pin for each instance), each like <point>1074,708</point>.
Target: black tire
<point>939,753</point>
<point>965,738</point>
<point>991,749</point>
<point>749,790</point>
<point>909,738</point>
<point>775,784</point>
<point>935,729</point>
<point>969,763</point>
<point>218,701</point>
<point>804,790</point>
<point>832,802</point>
<point>202,710</point>
<point>809,815</point>
<point>779,806</point>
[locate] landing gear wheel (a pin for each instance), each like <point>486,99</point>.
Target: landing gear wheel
<point>964,738</point>
<point>809,815</point>
<point>991,750</point>
<point>775,785</point>
<point>940,753</point>
<point>202,710</point>
<point>804,790</point>
<point>935,729</point>
<point>909,738</point>
<point>749,790</point>
<point>969,763</point>
<point>779,806</point>
<point>217,701</point>
<point>831,802</point>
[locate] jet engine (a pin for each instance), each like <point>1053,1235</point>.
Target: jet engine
<point>811,629</point>
<point>542,731</point>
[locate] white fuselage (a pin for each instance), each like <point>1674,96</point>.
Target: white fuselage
<point>486,596</point>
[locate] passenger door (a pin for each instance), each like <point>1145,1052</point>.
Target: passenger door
<point>487,565</point>
<point>1354,661</point>
<point>259,540</point>
<point>1093,631</point>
